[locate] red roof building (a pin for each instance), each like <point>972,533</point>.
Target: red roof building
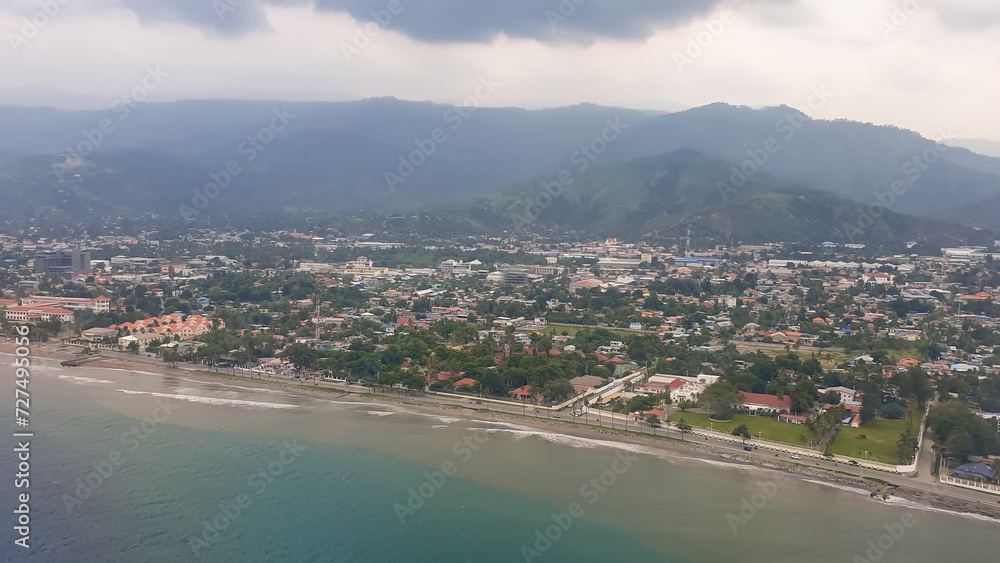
<point>760,401</point>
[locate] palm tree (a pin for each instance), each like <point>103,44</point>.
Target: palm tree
<point>996,470</point>
<point>683,427</point>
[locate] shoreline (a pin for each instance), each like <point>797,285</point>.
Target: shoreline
<point>698,449</point>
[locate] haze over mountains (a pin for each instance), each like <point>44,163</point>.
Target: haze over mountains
<point>380,155</point>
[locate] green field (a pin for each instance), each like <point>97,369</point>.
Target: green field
<point>880,442</point>
<point>571,330</point>
<point>769,428</point>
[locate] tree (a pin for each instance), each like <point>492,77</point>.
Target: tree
<point>722,397</point>
<point>558,389</point>
<point>683,427</point>
<point>171,357</point>
<point>300,355</point>
<point>870,403</point>
<point>905,447</point>
<point>743,432</point>
<point>652,420</point>
<point>996,470</point>
<point>133,347</point>
<point>952,417</point>
<point>960,444</point>
<point>830,398</point>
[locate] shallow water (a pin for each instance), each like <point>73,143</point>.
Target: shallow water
<point>343,481</point>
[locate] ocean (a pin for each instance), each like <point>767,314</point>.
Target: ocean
<point>135,466</point>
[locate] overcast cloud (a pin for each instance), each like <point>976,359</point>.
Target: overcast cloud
<point>927,65</point>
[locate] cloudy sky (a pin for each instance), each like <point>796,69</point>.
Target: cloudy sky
<point>927,65</point>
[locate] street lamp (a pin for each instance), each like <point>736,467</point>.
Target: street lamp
<point>758,435</point>
<point>711,426</point>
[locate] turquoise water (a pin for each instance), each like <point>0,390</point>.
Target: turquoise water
<point>337,495</point>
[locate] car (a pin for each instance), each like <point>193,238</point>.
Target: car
<point>794,456</point>
<point>748,448</point>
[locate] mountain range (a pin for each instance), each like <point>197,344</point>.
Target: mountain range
<point>633,170</point>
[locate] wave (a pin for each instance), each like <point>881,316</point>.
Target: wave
<point>838,486</point>
<point>241,387</point>
<point>380,413</point>
<point>902,502</point>
<point>906,503</point>
<point>729,464</point>
<point>82,380</point>
<point>127,370</point>
<point>574,441</point>
<point>211,400</point>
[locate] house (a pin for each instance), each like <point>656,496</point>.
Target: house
<point>759,401</point>
<point>143,339</point>
<point>521,392</point>
<point>978,471</point>
<point>791,418</point>
<point>585,382</point>
<point>877,278</point>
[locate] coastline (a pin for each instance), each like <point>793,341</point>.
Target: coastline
<point>696,449</point>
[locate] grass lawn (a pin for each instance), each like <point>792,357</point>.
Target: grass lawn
<point>769,428</point>
<point>572,330</point>
<point>880,442</point>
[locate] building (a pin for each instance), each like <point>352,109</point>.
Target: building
<point>846,394</point>
<point>517,275</point>
<point>761,402</point>
<point>977,471</point>
<point>27,314</point>
<point>683,388</point>
<point>97,334</point>
<point>791,418</point>
<point>63,262</point>
<point>101,304</point>
<point>453,268</point>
